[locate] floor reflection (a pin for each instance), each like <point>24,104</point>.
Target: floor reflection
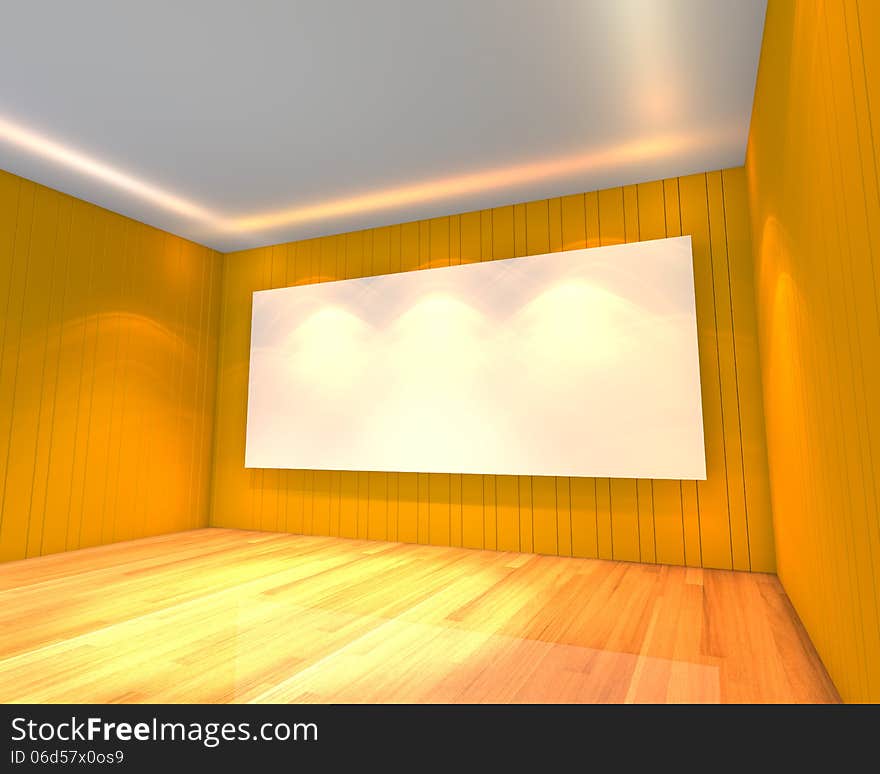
<point>225,615</point>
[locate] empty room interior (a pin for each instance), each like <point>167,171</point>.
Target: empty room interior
<point>440,352</point>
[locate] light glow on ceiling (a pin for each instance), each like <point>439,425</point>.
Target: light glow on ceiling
<point>42,146</point>
<point>374,201</point>
<point>447,188</point>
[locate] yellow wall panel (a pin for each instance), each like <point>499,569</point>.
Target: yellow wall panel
<point>811,171</point>
<point>503,233</point>
<point>728,377</point>
<point>455,510</point>
<point>107,375</point>
<point>348,504</point>
<point>526,515</point>
<point>377,516</point>
<point>423,508</point>
<point>584,518</point>
<point>544,516</point>
<point>49,379</point>
<point>56,503</point>
<point>753,448</point>
<point>604,520</point>
<point>507,527</point>
<point>391,518</point>
<point>321,503</point>
<point>472,522</point>
<point>439,512</point>
<point>490,513</point>
<point>573,222</point>
<point>563,516</point>
<point>363,503</point>
<point>470,237</point>
<point>28,368</point>
<point>714,516</point>
<point>408,507</point>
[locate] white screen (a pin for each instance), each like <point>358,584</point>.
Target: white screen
<point>580,363</point>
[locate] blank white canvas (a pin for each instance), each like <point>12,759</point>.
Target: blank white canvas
<point>579,363</point>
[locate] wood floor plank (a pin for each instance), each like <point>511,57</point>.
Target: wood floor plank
<point>221,615</point>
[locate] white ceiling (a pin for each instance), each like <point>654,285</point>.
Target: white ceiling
<point>340,114</point>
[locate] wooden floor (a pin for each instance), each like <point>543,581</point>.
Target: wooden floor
<point>221,615</point>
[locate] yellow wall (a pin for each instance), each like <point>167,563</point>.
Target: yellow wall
<point>723,522</point>
<point>108,333</point>
<point>812,167</point>
<point>109,336</point>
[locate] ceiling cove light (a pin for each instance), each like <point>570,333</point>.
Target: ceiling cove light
<point>373,201</point>
<point>42,146</point>
<point>447,188</point>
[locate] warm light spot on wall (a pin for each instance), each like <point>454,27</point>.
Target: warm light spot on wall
<point>784,324</point>
<point>438,328</point>
<point>560,324</point>
<point>330,347</point>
